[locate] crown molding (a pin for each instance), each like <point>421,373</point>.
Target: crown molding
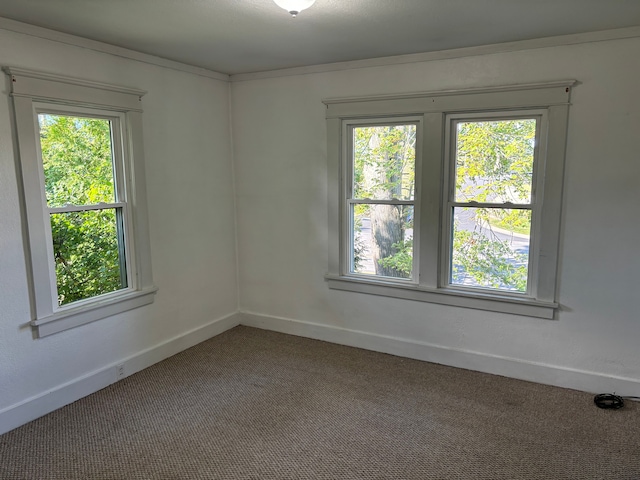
<point>67,39</point>
<point>545,42</point>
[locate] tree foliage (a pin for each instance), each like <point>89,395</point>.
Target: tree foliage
<point>494,160</point>
<point>487,261</point>
<point>78,170</point>
<point>384,162</point>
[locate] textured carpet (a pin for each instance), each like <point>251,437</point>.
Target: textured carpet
<point>252,404</point>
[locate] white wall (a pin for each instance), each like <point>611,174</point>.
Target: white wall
<point>191,216</point>
<point>280,157</point>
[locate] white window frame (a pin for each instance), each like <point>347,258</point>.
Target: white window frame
<point>37,92</point>
<point>347,185</point>
<point>534,205</point>
<point>437,111</point>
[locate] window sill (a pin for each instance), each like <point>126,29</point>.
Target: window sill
<point>457,298</point>
<point>73,317</point>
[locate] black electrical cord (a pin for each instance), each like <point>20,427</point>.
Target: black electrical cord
<point>608,401</point>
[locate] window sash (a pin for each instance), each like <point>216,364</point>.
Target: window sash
<point>449,193</point>
<point>451,136</point>
<point>123,255</point>
<point>124,222</point>
<point>509,205</point>
<point>368,201</point>
<point>347,199</point>
<point>118,138</point>
<point>448,273</point>
<point>351,243</point>
<point>86,208</point>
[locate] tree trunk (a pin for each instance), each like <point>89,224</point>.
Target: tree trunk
<point>386,227</point>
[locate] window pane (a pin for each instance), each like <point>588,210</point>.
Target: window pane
<point>494,161</point>
<point>384,159</point>
<point>77,160</point>
<point>89,254</point>
<point>382,240</point>
<point>491,248</point>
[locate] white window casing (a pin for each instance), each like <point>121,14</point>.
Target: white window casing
<point>435,113</point>
<point>37,92</point>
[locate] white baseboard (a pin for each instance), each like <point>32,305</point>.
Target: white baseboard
<point>586,381</point>
<point>39,405</point>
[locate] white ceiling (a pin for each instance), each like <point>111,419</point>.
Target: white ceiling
<point>241,36</point>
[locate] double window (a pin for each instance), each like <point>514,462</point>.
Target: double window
<point>451,197</point>
<point>84,198</point>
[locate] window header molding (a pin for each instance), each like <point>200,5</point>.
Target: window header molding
<point>33,92</point>
<point>61,89</point>
<point>511,96</point>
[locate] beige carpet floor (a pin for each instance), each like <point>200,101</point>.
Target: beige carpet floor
<point>252,404</point>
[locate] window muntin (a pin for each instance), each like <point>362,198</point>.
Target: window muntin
<point>381,199</point>
<point>492,167</point>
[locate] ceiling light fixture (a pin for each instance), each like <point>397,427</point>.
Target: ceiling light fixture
<point>294,7</point>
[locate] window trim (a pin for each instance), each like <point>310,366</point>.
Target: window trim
<point>435,109</point>
<point>32,92</point>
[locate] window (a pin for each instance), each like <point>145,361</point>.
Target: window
<point>381,198</point>
<point>449,197</point>
<point>84,198</point>
<point>84,193</point>
<point>490,206</point>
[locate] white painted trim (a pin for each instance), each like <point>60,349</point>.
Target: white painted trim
<point>520,96</point>
<point>234,190</point>
<point>92,309</point>
<point>433,285</point>
<point>29,85</point>
<point>453,295</point>
<point>460,91</point>
<point>547,374</point>
<point>46,402</point>
<point>59,89</point>
<point>86,208</point>
<point>557,41</point>
<point>67,39</point>
<point>52,77</point>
